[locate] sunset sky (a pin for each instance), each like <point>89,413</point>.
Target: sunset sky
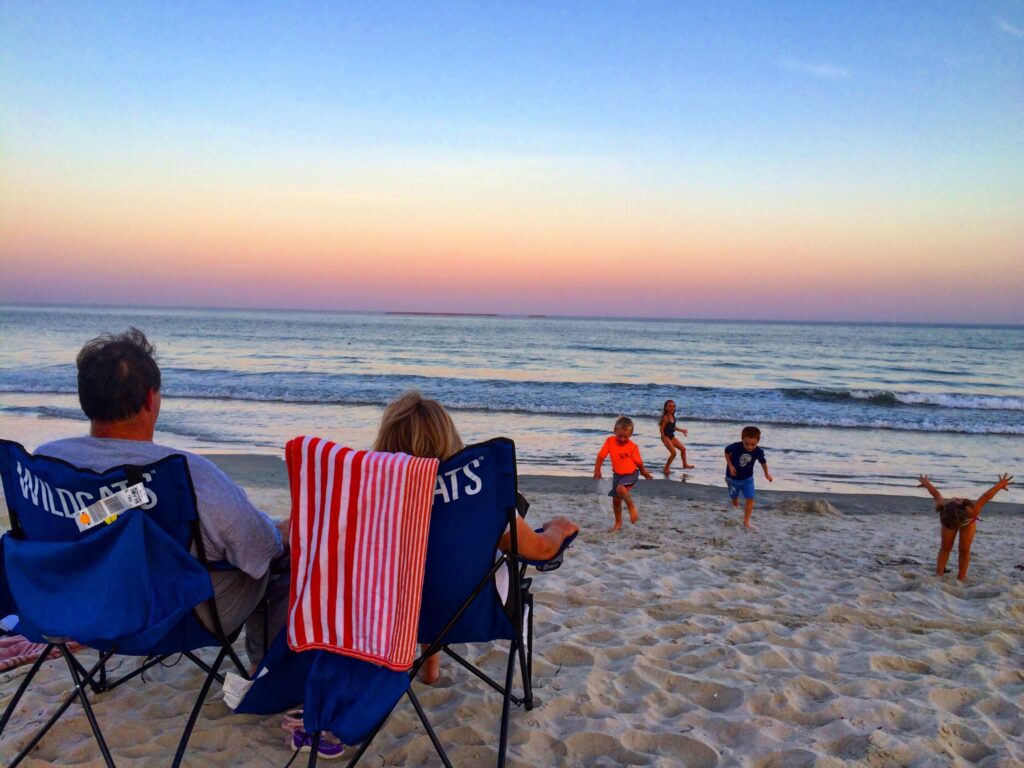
<point>827,161</point>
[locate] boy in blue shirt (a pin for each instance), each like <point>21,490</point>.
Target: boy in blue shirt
<point>739,472</point>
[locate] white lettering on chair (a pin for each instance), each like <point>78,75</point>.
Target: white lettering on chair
<point>41,494</point>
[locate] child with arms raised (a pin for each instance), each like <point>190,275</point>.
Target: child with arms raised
<point>959,518</point>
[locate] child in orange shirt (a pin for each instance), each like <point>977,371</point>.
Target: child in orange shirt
<point>627,466</point>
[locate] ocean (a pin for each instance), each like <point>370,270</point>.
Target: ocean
<point>842,407</point>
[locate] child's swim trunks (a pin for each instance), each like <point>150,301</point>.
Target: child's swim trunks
<point>627,480</point>
<point>744,488</point>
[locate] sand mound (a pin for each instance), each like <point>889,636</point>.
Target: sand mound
<point>819,507</point>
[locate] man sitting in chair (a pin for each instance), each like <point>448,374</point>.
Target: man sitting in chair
<point>119,390</point>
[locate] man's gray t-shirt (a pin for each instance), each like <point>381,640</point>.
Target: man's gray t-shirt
<point>231,527</point>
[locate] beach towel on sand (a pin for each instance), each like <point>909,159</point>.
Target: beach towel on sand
<point>16,650</point>
<point>358,540</point>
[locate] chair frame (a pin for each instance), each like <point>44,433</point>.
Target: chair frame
<point>95,678</point>
<point>519,599</point>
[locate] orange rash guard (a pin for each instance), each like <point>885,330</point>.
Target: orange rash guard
<point>625,458</point>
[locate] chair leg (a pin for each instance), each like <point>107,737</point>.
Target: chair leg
<point>79,691</point>
<point>506,705</point>
<point>194,715</point>
<point>430,731</point>
<point>366,742</point>
<point>527,665</point>
<point>80,687</point>
<point>314,750</point>
<point>24,686</point>
<point>524,668</point>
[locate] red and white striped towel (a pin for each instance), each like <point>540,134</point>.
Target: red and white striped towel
<point>358,546</point>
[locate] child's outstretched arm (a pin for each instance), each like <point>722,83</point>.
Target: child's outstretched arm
<point>1001,485</point>
<point>767,474</point>
<point>924,482</point>
<point>647,475</point>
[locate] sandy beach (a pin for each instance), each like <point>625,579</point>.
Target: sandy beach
<point>820,639</point>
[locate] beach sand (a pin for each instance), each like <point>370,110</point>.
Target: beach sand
<point>820,639</point>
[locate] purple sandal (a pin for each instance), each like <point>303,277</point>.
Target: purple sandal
<point>329,747</point>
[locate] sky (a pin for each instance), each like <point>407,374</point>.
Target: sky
<point>762,160</point>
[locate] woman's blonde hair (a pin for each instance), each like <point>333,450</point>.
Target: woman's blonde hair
<point>418,426</point>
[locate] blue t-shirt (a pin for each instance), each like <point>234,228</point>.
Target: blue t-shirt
<point>743,460</point>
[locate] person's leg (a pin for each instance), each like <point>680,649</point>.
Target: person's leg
<point>431,669</point>
<point>748,510</point>
<point>964,550</point>
<point>945,547</point>
<point>682,453</point>
<point>627,497</point>
<point>671,454</point>
<point>270,616</point>
<point>734,492</point>
<point>617,510</point>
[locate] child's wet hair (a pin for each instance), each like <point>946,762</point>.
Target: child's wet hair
<point>751,432</point>
<point>623,422</point>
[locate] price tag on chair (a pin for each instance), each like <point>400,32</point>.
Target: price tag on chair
<point>107,509</point>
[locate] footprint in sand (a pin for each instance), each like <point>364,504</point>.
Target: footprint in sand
<point>711,696</point>
<point>683,750</point>
<point>998,708</point>
<point>963,742</point>
<point>789,758</point>
<point>852,746</point>
<point>569,655</point>
<point>592,748</point>
<point>956,701</point>
<point>885,663</point>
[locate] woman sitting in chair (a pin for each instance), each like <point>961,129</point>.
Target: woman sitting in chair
<point>420,427</point>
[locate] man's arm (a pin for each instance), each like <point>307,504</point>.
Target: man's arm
<point>924,482</point>
<point>1001,485</point>
<point>233,528</point>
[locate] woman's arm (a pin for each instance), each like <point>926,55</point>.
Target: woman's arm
<point>539,546</point>
<point>1001,485</point>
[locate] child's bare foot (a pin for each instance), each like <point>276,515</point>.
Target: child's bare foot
<point>430,672</point>
<point>615,527</point>
<point>735,502</point>
<point>665,470</point>
<point>689,466</point>
<point>633,515</point>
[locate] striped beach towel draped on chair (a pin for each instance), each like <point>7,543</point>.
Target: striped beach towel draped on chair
<point>358,540</point>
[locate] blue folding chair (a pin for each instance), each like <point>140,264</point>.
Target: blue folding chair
<point>129,587</point>
<point>474,503</point>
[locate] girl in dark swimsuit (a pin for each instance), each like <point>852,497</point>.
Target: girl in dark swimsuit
<point>667,427</point>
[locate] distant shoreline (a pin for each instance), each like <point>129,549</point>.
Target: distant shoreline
<point>516,316</point>
<point>443,314</point>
